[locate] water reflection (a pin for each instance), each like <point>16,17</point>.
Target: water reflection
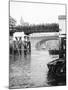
<point>19,71</point>
<point>30,70</point>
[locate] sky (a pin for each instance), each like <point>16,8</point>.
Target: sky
<point>36,13</point>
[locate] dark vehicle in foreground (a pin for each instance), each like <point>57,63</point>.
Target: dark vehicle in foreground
<point>57,68</point>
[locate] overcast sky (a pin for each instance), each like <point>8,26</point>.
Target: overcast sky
<point>36,13</point>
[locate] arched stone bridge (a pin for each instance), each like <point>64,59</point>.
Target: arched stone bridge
<point>45,42</point>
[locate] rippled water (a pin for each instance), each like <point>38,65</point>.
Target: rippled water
<point>30,70</point>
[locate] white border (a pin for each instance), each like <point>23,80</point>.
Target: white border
<point>4,44</point>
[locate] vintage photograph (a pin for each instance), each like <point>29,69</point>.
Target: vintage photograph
<point>37,44</point>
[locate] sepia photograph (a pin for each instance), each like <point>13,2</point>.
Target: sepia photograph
<point>37,44</point>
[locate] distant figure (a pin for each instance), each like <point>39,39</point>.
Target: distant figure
<point>16,48</point>
<point>25,45</point>
<point>28,44</point>
<point>20,45</point>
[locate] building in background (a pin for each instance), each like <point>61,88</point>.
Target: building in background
<point>62,24</point>
<point>22,23</point>
<point>12,23</point>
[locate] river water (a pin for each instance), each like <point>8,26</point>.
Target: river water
<point>30,70</point>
